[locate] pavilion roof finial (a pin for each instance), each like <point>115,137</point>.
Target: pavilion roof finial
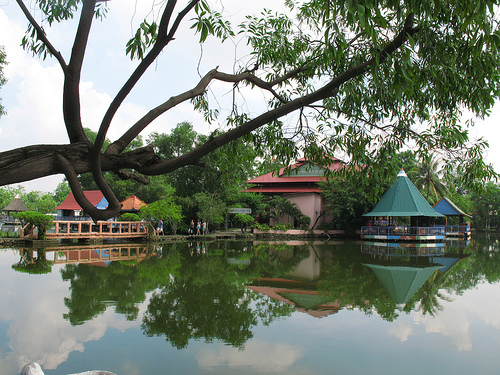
<point>402,173</point>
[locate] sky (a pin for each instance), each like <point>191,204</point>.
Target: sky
<point>33,93</point>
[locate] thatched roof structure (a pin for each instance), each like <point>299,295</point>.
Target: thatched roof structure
<point>16,205</point>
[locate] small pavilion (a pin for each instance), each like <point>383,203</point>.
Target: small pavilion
<point>403,200</point>
<point>132,205</point>
<point>16,205</point>
<point>450,210</point>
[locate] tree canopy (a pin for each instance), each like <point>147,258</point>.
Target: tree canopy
<point>3,80</point>
<point>364,79</point>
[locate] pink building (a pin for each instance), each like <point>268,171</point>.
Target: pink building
<point>299,184</point>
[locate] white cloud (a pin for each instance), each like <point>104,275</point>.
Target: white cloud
<point>455,319</point>
<point>259,355</point>
<point>401,331</point>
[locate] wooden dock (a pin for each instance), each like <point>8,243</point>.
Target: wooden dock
<point>100,230</point>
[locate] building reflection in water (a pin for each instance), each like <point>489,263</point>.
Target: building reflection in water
<point>402,268</point>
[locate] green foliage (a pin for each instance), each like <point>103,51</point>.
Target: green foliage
<point>36,219</point>
<point>3,80</point>
<point>346,203</point>
<point>486,204</point>
<point>210,209</point>
<point>144,38</point>
<point>414,96</point>
<point>165,209</point>
<point>282,227</point>
<point>61,193</point>
<point>8,193</point>
<point>428,177</point>
<point>128,216</point>
<point>9,234</point>
<point>222,172</point>
<point>34,200</point>
<point>210,22</point>
<point>243,220</point>
<point>39,202</point>
<point>262,227</point>
<point>280,207</point>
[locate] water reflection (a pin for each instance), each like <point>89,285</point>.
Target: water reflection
<point>222,291</point>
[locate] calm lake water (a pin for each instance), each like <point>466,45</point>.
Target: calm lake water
<point>336,307</point>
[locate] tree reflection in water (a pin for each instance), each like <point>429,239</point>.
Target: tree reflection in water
<point>199,289</point>
<point>197,293</point>
<point>29,264</point>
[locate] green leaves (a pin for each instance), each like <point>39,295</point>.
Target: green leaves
<point>165,209</point>
<point>3,80</point>
<point>31,42</point>
<point>144,38</point>
<point>57,10</point>
<point>208,22</point>
<point>54,11</point>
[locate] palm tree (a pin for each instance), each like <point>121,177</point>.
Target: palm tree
<point>429,177</point>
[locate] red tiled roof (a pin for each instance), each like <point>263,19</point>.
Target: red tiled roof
<point>284,189</point>
<point>132,203</point>
<point>93,196</point>
<point>283,177</point>
<point>269,178</point>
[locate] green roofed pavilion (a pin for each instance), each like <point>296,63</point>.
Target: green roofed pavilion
<point>403,199</point>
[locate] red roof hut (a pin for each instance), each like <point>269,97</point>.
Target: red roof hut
<point>298,183</point>
<point>70,208</point>
<point>132,204</point>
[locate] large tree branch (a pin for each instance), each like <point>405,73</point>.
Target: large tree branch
<point>32,162</point>
<point>71,94</point>
<point>120,144</point>
<point>328,90</point>
<point>97,214</point>
<point>165,19</point>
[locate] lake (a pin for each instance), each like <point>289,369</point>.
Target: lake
<point>226,307</point>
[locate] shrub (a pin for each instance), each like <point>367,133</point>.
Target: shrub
<point>128,216</point>
<point>262,227</point>
<point>243,220</point>
<point>36,219</point>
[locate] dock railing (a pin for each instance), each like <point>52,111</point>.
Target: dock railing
<point>402,230</point>
<point>101,229</point>
<point>457,230</point>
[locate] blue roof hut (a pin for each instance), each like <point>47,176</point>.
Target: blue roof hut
<point>461,225</point>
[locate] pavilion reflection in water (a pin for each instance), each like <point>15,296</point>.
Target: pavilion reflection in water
<point>403,268</point>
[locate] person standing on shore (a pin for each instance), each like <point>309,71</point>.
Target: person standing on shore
<point>160,228</point>
<point>204,231</point>
<point>191,227</point>
<point>198,227</point>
